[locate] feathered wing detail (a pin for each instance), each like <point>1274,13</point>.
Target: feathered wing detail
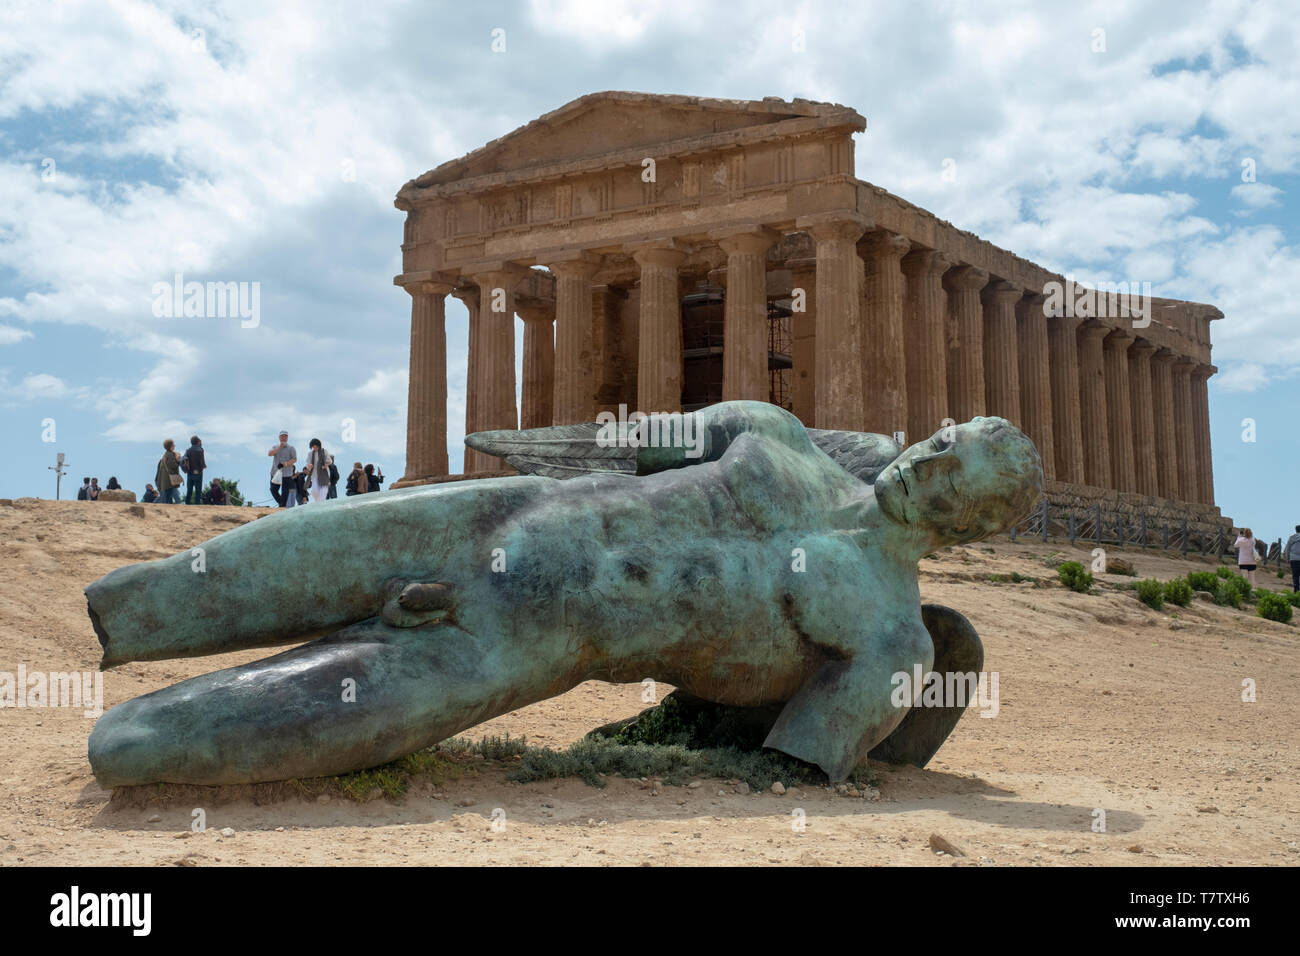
<point>560,451</point>
<point>862,454</point>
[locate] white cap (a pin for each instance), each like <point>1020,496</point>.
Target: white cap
<point>284,431</point>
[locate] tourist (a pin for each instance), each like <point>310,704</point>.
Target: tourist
<point>334,479</point>
<point>217,494</point>
<point>282,470</point>
<point>92,492</point>
<point>358,483</point>
<point>374,477</point>
<point>1245,545</point>
<point>1292,553</point>
<point>169,475</point>
<point>112,484</point>
<point>194,465</point>
<point>83,493</point>
<point>150,494</point>
<point>318,471</point>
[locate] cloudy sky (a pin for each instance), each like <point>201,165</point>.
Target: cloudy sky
<point>264,142</point>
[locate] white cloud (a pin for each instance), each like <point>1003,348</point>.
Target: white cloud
<point>1247,377</point>
<point>9,335</point>
<point>1257,195</point>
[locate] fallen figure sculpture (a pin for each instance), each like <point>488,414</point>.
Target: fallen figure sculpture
<point>777,570</point>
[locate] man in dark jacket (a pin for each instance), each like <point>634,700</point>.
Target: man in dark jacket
<point>83,493</point>
<point>193,464</point>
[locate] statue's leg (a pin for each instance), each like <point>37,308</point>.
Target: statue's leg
<point>354,699</point>
<point>957,649</point>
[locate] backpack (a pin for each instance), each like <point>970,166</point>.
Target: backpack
<point>334,474</point>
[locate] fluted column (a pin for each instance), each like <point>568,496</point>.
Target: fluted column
<point>616,373</point>
<point>470,298</point>
<point>659,336</point>
<point>1201,419</point>
<point>426,392</point>
<point>1166,425</point>
<point>839,271</point>
<point>884,357</point>
<point>1035,379</point>
<point>966,350</point>
<point>1119,409</point>
<point>803,330</point>
<point>925,307</point>
<point>493,398</point>
<point>575,381</point>
<point>1001,355</point>
<point>1142,394</point>
<point>745,326</point>
<point>1092,404</point>
<point>539,385</point>
<point>1067,435</point>
<point>1185,422</point>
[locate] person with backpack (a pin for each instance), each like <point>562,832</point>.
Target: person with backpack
<point>193,464</point>
<point>150,494</point>
<point>334,480</point>
<point>1291,551</point>
<point>358,484</point>
<point>83,493</point>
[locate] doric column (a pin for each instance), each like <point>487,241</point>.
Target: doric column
<point>803,330</point>
<point>1166,425</point>
<point>492,353</point>
<point>1201,420</point>
<point>745,327</point>
<point>1035,379</point>
<point>1142,402</point>
<point>839,271</point>
<point>575,378</point>
<point>659,336</point>
<point>925,308</point>
<point>1067,436</point>
<point>966,348</point>
<point>539,385</point>
<point>1001,356</point>
<point>1185,422</point>
<point>884,358</point>
<point>1119,409</point>
<point>1092,404</point>
<point>615,372</point>
<point>470,298</point>
<point>426,391</point>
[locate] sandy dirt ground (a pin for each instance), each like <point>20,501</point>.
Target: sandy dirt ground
<point>1103,704</point>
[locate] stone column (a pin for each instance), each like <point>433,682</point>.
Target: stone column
<point>966,348</point>
<point>426,393</point>
<point>884,357</point>
<point>803,330</point>
<point>925,310</point>
<point>1201,419</point>
<point>839,271</point>
<point>744,330</point>
<point>575,377</point>
<point>1142,396</point>
<point>539,384</point>
<point>1092,404</point>
<point>612,387</point>
<point>1185,423</point>
<point>1166,425</point>
<point>659,337</point>
<point>1119,408</point>
<point>1001,355</point>
<point>1035,379</point>
<point>1067,436</point>
<point>492,353</point>
<point>470,297</point>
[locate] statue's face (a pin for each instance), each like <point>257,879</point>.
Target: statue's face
<point>963,483</point>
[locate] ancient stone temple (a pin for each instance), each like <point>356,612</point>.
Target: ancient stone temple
<point>666,252</point>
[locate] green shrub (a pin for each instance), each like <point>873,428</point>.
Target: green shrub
<point>1293,597</point>
<point>1179,592</point>
<point>1202,580</point>
<point>1240,584</point>
<point>1074,577</point>
<point>1151,593</point>
<point>1274,607</point>
<point>1226,572</point>
<point>1226,595</point>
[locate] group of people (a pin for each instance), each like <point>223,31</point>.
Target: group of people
<point>1250,551</point>
<point>89,490</point>
<point>175,470</point>
<point>318,478</point>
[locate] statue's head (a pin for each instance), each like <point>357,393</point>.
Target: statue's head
<point>963,483</point>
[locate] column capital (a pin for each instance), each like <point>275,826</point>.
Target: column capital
<point>1163,356</point>
<point>921,262</point>
<point>1000,292</point>
<point>826,226</point>
<point>882,244</point>
<point>1091,328</point>
<point>416,283</point>
<point>745,238</point>
<point>1184,364</point>
<point>1031,301</point>
<point>1204,371</point>
<point>968,278</point>
<point>535,312</point>
<point>802,265</point>
<point>1141,348</point>
<point>497,274</point>
<point>466,294</point>
<point>662,253</point>
<point>1118,341</point>
<point>576,265</point>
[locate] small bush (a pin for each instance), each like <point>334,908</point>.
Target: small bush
<point>1202,580</point>
<point>1074,577</point>
<point>1240,584</point>
<point>1151,593</point>
<point>1226,572</point>
<point>1293,597</point>
<point>1226,595</point>
<point>1179,592</point>
<point>1274,607</point>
